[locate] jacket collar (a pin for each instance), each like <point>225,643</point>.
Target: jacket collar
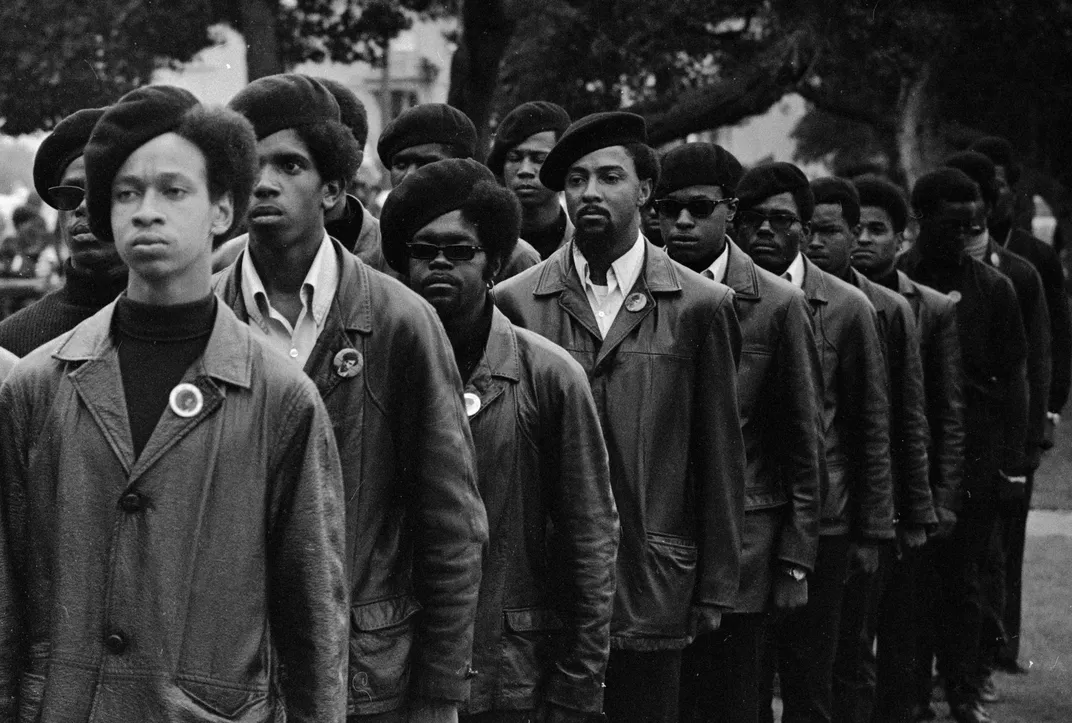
<point>352,305</point>
<point>499,365</point>
<point>227,357</point>
<point>741,275</point>
<point>559,273</point>
<point>814,283</point>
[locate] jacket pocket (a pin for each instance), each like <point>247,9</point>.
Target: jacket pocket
<point>236,704</point>
<point>31,696</point>
<point>672,581</point>
<point>381,638</point>
<point>528,644</point>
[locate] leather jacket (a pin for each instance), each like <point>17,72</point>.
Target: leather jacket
<point>415,524</point>
<point>943,382</point>
<point>779,406</point>
<point>547,590</point>
<point>858,500</point>
<point>909,434</point>
<point>202,580</point>
<point>665,383</point>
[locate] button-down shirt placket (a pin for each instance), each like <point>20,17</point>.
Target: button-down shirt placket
<point>606,301</point>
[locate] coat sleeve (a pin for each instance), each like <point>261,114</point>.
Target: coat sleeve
<point>450,524</point>
<point>586,521</point>
<point>1039,365</point>
<point>717,458</point>
<point>866,385</point>
<point>909,432</point>
<point>1053,284</point>
<point>13,537</point>
<point>944,378</point>
<point>1012,364</point>
<point>798,377</point>
<point>308,601</point>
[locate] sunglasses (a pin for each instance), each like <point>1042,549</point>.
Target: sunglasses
<point>780,222</point>
<point>960,228</point>
<point>454,252</point>
<point>697,207</point>
<point>67,198</point>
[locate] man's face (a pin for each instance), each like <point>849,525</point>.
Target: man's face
<point>944,231</point>
<point>876,248</point>
<point>408,160</point>
<point>832,239</point>
<point>454,287</point>
<point>86,251</point>
<point>521,170</point>
<point>1006,202</point>
<point>290,196</point>
<point>693,224</point>
<point>163,219</point>
<point>772,232</point>
<point>603,198</point>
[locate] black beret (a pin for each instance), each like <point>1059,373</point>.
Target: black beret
<point>1001,152</point>
<point>841,192</point>
<point>137,118</point>
<point>526,120</point>
<point>351,110</point>
<point>698,164</point>
<point>289,100</point>
<point>880,193</point>
<point>595,131</point>
<point>945,185</point>
<point>770,179</point>
<point>980,169</point>
<point>66,143</point>
<point>436,189</point>
<point>428,123</point>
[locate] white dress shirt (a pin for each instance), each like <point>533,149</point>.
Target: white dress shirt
<point>606,301</point>
<point>717,269</point>
<point>796,271</point>
<point>317,292</point>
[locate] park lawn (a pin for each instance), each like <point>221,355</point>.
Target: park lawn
<point>1053,480</point>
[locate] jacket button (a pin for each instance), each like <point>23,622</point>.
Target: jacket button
<point>130,502</point>
<point>116,643</point>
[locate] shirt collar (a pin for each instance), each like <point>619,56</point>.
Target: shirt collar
<point>625,269</point>
<point>317,290</point>
<point>718,266</point>
<point>796,271</point>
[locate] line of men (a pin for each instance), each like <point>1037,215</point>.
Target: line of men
<point>589,475</point>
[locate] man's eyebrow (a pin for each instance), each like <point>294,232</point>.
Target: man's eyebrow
<point>282,156</point>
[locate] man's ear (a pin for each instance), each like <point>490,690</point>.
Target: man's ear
<point>805,235</point>
<point>331,193</point>
<point>222,214</point>
<point>645,193</point>
<point>731,210</point>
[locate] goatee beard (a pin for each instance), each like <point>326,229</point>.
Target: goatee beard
<point>593,244</point>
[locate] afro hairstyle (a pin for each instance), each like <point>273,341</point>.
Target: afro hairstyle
<point>880,193</point>
<point>1001,152</point>
<point>840,191</point>
<point>945,185</point>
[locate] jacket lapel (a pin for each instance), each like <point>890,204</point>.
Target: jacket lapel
<point>498,367</point>
<point>908,290</point>
<point>814,288</point>
<point>98,383</point>
<point>560,277</point>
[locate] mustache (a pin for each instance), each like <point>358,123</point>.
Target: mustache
<point>583,210</point>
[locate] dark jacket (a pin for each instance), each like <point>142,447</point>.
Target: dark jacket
<point>1043,257</point>
<point>909,434</point>
<point>180,585</point>
<point>858,500</point>
<point>943,384</point>
<point>994,354</point>
<point>83,294</point>
<point>415,525</point>
<point>665,384</point>
<point>777,388</point>
<point>547,591</point>
<point>359,233</point>
<point>1036,319</point>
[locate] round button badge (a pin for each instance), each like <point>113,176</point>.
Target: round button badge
<point>955,296</point>
<point>348,363</point>
<point>636,302</point>
<point>472,404</point>
<point>186,400</point>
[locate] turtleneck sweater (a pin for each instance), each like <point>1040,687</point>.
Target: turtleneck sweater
<point>157,344</point>
<point>83,295</point>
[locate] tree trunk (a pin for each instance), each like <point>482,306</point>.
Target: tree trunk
<point>257,18</point>
<point>919,144</point>
<point>486,28</point>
